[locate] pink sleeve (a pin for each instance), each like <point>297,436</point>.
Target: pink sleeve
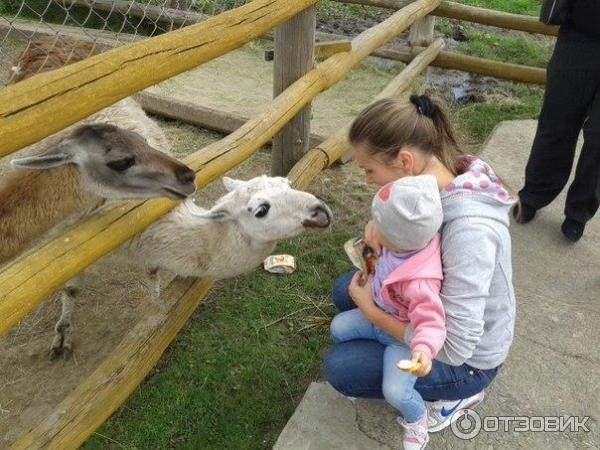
<point>426,315</point>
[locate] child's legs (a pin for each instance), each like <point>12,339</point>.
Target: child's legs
<point>352,324</point>
<point>399,386</point>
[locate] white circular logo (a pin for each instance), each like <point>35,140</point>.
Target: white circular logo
<point>467,425</point>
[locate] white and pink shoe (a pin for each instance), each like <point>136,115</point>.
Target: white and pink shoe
<point>416,435</point>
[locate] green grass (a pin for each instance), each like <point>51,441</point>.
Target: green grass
<point>530,7</point>
<point>233,377</point>
<point>477,120</point>
<point>516,49</point>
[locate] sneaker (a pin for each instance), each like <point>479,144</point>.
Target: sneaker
<point>440,414</point>
<point>416,436</point>
<point>572,229</point>
<point>523,213</point>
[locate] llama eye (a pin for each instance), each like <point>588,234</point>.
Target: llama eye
<point>262,210</point>
<point>121,165</point>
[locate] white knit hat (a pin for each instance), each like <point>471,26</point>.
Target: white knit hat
<point>409,211</point>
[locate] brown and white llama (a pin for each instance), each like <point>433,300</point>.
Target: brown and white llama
<point>117,153</point>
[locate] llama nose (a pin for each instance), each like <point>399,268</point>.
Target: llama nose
<point>320,217</point>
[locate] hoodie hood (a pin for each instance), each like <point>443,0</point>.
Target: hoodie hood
<point>476,192</point>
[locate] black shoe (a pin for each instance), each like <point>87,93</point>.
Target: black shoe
<point>523,213</point>
<point>572,229</point>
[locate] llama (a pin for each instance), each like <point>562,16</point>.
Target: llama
<point>233,237</point>
<point>230,239</point>
<point>117,153</point>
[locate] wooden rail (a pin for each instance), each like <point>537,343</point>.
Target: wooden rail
<point>32,277</point>
<point>453,10</point>
<point>92,402</point>
<point>70,93</point>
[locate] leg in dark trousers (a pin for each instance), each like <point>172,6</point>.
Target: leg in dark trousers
<point>584,194</point>
<point>572,84</point>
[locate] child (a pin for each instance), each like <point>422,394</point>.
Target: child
<point>407,215</point>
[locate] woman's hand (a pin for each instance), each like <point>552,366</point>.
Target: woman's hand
<point>424,363</point>
<point>361,295</point>
<point>370,237</point>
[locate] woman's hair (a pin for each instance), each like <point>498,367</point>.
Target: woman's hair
<point>388,125</point>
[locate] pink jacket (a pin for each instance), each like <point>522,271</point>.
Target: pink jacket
<point>413,289</point>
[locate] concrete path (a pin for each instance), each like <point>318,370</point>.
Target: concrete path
<point>554,365</point>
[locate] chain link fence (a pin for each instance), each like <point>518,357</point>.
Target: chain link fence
<point>105,23</point>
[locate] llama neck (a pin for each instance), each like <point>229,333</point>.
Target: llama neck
<point>34,201</point>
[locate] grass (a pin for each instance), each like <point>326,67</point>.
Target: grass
<point>529,7</point>
<point>477,120</point>
<point>233,377</point>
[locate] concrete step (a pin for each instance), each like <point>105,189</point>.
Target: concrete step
<point>554,365</point>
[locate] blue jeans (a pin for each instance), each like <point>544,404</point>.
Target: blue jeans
<point>356,367</point>
<point>397,386</point>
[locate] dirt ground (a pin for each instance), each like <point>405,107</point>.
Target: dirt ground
<point>113,297</point>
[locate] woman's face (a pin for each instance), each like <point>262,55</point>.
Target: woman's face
<point>381,171</point>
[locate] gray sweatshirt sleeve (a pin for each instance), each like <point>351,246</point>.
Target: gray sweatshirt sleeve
<point>469,248</point>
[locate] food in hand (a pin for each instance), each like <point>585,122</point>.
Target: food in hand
<point>362,256</point>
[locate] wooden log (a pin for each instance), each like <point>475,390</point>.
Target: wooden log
<point>330,48</point>
<point>473,64</point>
<point>294,56</point>
<point>201,116</point>
<point>333,148</point>
<point>94,401</point>
<point>453,10</point>
<point>34,276</point>
<point>70,93</point>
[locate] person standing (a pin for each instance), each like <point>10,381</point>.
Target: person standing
<point>571,102</point>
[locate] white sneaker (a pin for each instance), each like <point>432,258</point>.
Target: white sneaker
<point>441,414</point>
<point>416,436</point>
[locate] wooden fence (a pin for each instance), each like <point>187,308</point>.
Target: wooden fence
<point>30,278</point>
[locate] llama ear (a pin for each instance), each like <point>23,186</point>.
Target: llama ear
<point>58,156</point>
<point>232,184</point>
<point>41,162</point>
<point>217,214</point>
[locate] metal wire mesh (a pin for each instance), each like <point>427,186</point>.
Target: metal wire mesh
<point>105,23</point>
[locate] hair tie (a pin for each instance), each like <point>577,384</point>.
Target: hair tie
<point>424,105</point>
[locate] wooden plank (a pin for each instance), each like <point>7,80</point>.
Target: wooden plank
<point>453,10</point>
<point>201,116</point>
<point>294,56</point>
<point>336,146</point>
<point>29,279</point>
<point>93,401</point>
<point>70,93</point>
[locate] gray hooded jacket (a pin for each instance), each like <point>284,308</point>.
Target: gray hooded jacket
<point>477,291</point>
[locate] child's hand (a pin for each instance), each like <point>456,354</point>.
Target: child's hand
<point>425,363</point>
<point>370,237</point>
<point>361,295</point>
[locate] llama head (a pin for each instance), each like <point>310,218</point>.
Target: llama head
<point>115,163</point>
<point>268,209</point>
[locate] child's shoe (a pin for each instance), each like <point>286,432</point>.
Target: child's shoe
<point>416,436</point>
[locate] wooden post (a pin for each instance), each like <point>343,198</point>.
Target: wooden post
<point>294,56</point>
<point>421,33</point>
